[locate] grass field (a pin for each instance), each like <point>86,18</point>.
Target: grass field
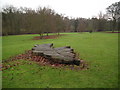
<point>99,50</point>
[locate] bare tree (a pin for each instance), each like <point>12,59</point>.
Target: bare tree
<point>114,12</point>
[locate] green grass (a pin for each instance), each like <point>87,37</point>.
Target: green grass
<point>100,50</point>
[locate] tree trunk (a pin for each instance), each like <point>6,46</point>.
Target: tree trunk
<point>41,35</point>
<point>58,33</point>
<point>47,33</point>
<point>113,25</point>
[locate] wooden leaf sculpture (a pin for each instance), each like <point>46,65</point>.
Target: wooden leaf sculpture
<point>63,55</point>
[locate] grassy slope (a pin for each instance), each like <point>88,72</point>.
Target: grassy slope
<point>100,50</point>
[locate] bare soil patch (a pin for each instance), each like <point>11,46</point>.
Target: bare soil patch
<point>112,32</point>
<point>47,37</point>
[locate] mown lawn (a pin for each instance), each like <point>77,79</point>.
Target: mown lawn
<point>99,50</point>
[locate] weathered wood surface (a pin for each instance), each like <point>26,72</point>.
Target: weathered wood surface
<point>63,55</point>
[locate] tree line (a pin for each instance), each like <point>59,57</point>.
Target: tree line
<point>45,20</point>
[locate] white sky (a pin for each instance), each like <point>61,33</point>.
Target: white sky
<point>71,8</point>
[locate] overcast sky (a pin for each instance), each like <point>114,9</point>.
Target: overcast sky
<point>71,8</point>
